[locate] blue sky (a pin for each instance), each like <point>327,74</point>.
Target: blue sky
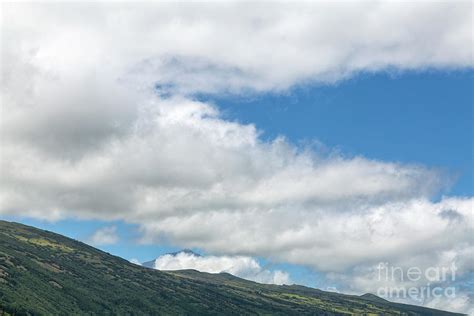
<point>412,117</point>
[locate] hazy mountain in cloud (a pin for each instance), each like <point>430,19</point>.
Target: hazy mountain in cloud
<point>151,263</point>
<point>241,266</point>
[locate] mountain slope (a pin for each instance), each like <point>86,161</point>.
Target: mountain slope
<point>42,273</point>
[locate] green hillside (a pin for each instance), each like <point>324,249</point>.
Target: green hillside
<point>42,273</point>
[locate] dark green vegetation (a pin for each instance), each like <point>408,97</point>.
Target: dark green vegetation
<point>42,273</point>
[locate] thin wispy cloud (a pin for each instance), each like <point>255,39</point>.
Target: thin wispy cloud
<point>104,236</point>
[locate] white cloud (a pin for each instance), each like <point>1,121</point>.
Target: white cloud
<point>241,266</point>
<point>84,135</point>
<point>180,158</point>
<point>104,236</point>
<point>232,46</point>
<point>330,239</point>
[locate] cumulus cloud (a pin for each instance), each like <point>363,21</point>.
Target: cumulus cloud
<point>241,266</point>
<point>99,121</point>
<point>181,159</point>
<point>104,236</point>
<point>328,239</point>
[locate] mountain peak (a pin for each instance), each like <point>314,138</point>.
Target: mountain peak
<point>184,251</point>
<point>373,298</point>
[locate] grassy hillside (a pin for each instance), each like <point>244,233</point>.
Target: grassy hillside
<point>42,273</point>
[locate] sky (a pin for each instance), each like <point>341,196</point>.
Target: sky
<point>287,143</point>
<point>414,117</point>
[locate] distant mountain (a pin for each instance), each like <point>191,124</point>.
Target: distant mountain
<point>42,273</point>
<point>151,263</point>
<point>373,298</point>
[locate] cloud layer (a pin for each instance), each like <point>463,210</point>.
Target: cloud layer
<point>232,46</point>
<point>99,122</point>
<point>241,266</point>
